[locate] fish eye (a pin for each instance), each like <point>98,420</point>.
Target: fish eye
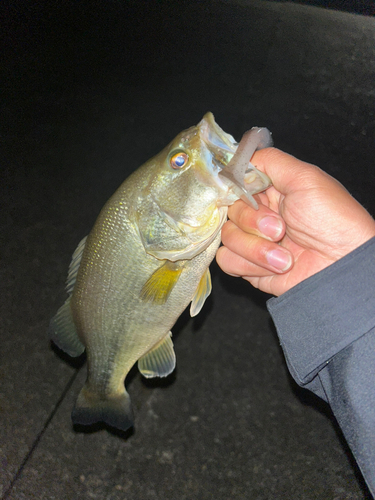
<point>179,160</point>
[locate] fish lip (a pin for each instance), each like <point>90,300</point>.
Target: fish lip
<point>221,145</point>
<point>222,148</point>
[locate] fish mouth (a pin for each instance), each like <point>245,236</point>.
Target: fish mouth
<point>231,168</point>
<point>221,145</point>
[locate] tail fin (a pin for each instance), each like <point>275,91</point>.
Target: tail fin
<point>115,411</point>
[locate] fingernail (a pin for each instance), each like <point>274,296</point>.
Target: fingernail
<point>270,226</point>
<point>279,259</point>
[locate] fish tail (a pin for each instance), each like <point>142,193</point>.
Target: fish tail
<point>115,410</point>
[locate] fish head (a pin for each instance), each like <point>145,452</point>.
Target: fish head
<point>186,197</point>
<point>188,182</point>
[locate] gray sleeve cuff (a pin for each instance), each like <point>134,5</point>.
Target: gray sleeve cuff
<point>322,315</point>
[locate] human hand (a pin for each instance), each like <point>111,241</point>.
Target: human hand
<point>309,219</point>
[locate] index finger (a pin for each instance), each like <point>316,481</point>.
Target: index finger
<point>286,172</point>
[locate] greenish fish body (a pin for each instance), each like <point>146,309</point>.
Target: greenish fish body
<point>144,261</point>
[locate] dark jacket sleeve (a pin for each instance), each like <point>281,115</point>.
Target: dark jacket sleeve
<point>326,327</point>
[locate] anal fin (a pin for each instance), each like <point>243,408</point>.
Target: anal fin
<point>201,294</point>
<point>160,361</point>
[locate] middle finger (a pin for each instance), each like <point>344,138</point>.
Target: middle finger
<point>263,222</point>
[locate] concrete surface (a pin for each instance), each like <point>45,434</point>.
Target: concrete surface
<point>90,91</point>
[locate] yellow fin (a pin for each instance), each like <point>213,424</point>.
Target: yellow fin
<point>201,294</point>
<point>160,361</point>
<point>160,284</point>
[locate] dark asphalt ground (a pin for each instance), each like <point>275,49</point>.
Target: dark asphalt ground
<point>90,90</point>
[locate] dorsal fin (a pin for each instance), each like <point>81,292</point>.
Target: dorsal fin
<point>63,332</point>
<point>74,266</point>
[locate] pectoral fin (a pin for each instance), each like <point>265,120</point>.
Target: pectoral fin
<point>160,284</point>
<point>160,361</point>
<point>201,294</point>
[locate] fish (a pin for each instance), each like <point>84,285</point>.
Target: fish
<point>146,258</point>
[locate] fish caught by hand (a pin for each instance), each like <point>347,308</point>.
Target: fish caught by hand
<point>147,258</point>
